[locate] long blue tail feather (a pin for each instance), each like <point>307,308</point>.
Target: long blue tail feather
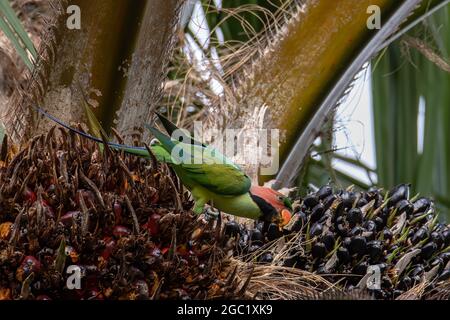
<point>86,135</point>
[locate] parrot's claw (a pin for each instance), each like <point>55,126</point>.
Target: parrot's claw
<point>211,214</point>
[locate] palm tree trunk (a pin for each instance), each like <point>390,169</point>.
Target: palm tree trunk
<point>97,62</point>
<point>145,73</point>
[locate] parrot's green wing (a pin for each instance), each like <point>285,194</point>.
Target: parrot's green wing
<point>221,179</point>
<point>204,166</point>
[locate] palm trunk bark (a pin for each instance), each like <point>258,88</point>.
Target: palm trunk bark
<point>97,62</point>
<point>142,89</point>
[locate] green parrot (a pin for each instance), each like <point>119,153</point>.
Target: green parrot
<point>210,176</point>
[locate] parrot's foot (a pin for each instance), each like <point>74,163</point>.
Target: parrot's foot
<point>211,214</point>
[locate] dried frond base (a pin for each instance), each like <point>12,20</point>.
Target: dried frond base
<point>271,282</point>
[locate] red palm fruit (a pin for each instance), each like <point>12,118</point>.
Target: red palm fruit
<point>69,217</point>
<point>152,225</point>
<point>121,231</point>
<point>155,198</point>
<point>29,195</point>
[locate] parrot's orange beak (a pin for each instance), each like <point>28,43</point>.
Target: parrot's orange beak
<point>285,217</point>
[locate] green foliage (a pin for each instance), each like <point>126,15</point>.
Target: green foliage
<point>400,79</point>
<point>396,104</point>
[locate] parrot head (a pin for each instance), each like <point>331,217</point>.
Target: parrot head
<point>275,207</point>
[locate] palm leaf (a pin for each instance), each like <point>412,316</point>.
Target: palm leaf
<point>13,29</point>
<point>399,79</point>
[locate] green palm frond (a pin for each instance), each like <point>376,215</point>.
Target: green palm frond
<point>406,83</point>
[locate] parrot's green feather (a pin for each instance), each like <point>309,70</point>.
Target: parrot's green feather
<point>219,178</point>
<point>165,141</point>
<point>160,153</point>
<point>209,175</point>
<point>201,165</point>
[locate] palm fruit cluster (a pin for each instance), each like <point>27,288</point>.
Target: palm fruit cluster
<point>340,234</point>
<point>123,221</point>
